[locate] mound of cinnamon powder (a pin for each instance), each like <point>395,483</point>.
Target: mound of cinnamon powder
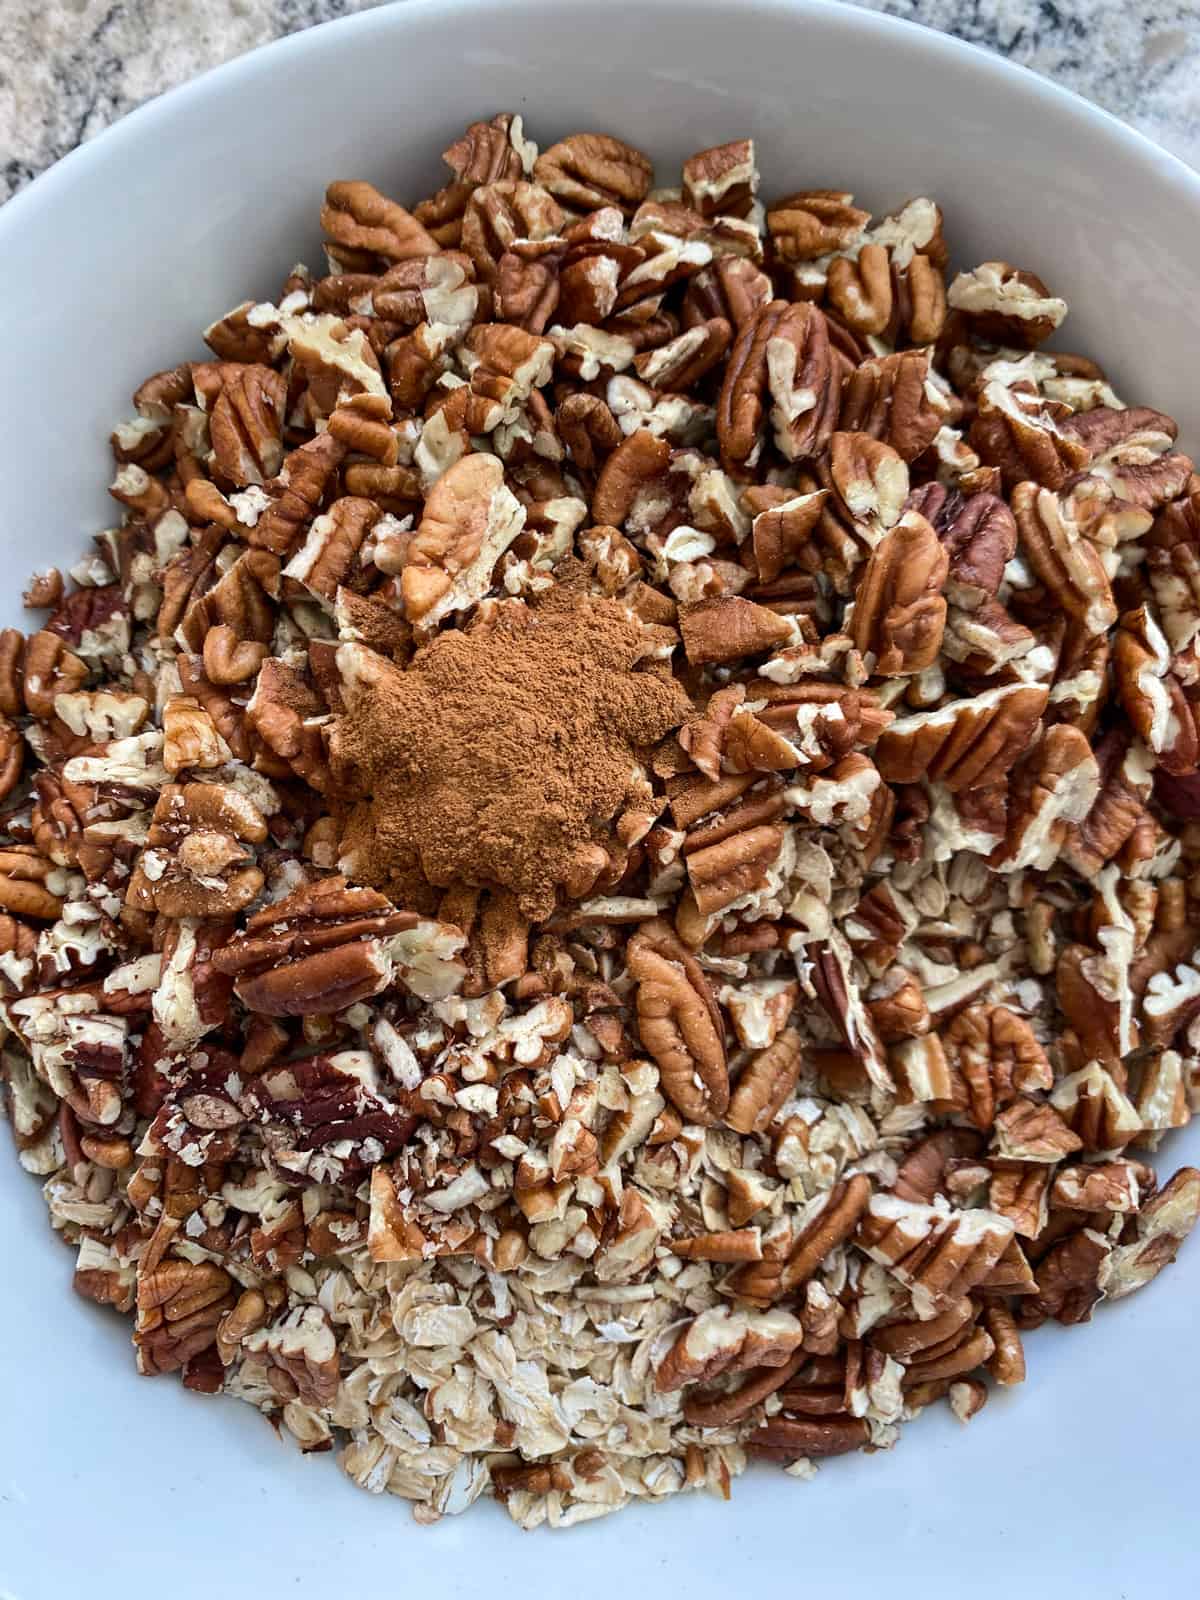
<point>501,757</point>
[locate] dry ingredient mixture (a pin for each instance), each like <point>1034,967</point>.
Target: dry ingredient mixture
<point>601,877</point>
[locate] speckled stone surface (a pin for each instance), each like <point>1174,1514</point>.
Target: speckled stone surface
<point>70,67</point>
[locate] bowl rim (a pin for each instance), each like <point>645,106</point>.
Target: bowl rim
<point>905,38</point>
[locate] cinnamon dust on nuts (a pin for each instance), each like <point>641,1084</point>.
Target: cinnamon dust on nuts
<point>504,756</point>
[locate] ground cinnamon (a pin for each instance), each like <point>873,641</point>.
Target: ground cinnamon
<point>503,756</point>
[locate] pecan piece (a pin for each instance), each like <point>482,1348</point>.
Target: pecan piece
<point>680,1023</point>
<point>1005,305</point>
<point>303,1355</point>
<point>1028,1130</point>
<point>996,1054</point>
<point>814,222</point>
<point>792,1438</point>
<point>1053,789</point>
<point>362,223</point>
<point>861,291</point>
<point>246,406</point>
<point>764,1083</point>
<point>1016,432</point>
<point>723,180</point>
<point>899,608</point>
<point>470,519</point>
<point>940,1256</point>
<point>1064,560</point>
<point>1159,1229</point>
<point>966,745</point>
<point>980,535</point>
<point>1152,695</point>
<point>833,1222</point>
<point>590,170</point>
<point>199,860</point>
<point>784,351</point>
<point>887,397</point>
<point>179,1305</point>
<point>330,945</point>
<point>723,1340</point>
<point>729,627</point>
<point>490,151</point>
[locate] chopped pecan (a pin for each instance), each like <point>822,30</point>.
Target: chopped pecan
<point>1152,695</point>
<point>284,712</point>
<point>1158,1231</point>
<point>723,1340</point>
<point>1068,1280</point>
<point>980,536</point>
<point>1054,788</point>
<point>1027,1130</point>
<point>728,627</point>
<point>1125,786</point>
<point>940,1256</point>
<point>1015,431</point>
<point>795,1438</point>
<point>723,180</point>
<point>199,860</point>
<point>814,222</point>
<point>246,406</point>
<point>1096,1108</point>
<point>784,352</point>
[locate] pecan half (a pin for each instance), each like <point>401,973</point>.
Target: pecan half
<point>471,517</point>
<point>680,1023</point>
<point>966,745</point>
<point>899,608</point>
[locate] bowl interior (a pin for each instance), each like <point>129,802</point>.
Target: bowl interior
<point>111,266</point>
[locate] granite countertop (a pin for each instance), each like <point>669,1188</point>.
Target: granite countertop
<point>70,67</point>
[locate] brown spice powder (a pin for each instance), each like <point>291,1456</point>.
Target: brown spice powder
<point>502,757</point>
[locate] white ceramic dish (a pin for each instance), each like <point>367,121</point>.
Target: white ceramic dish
<point>1081,1483</point>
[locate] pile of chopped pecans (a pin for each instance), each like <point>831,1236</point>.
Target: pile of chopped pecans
<point>843,1071</point>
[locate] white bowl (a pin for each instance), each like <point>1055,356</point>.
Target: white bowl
<point>1081,1482</point>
